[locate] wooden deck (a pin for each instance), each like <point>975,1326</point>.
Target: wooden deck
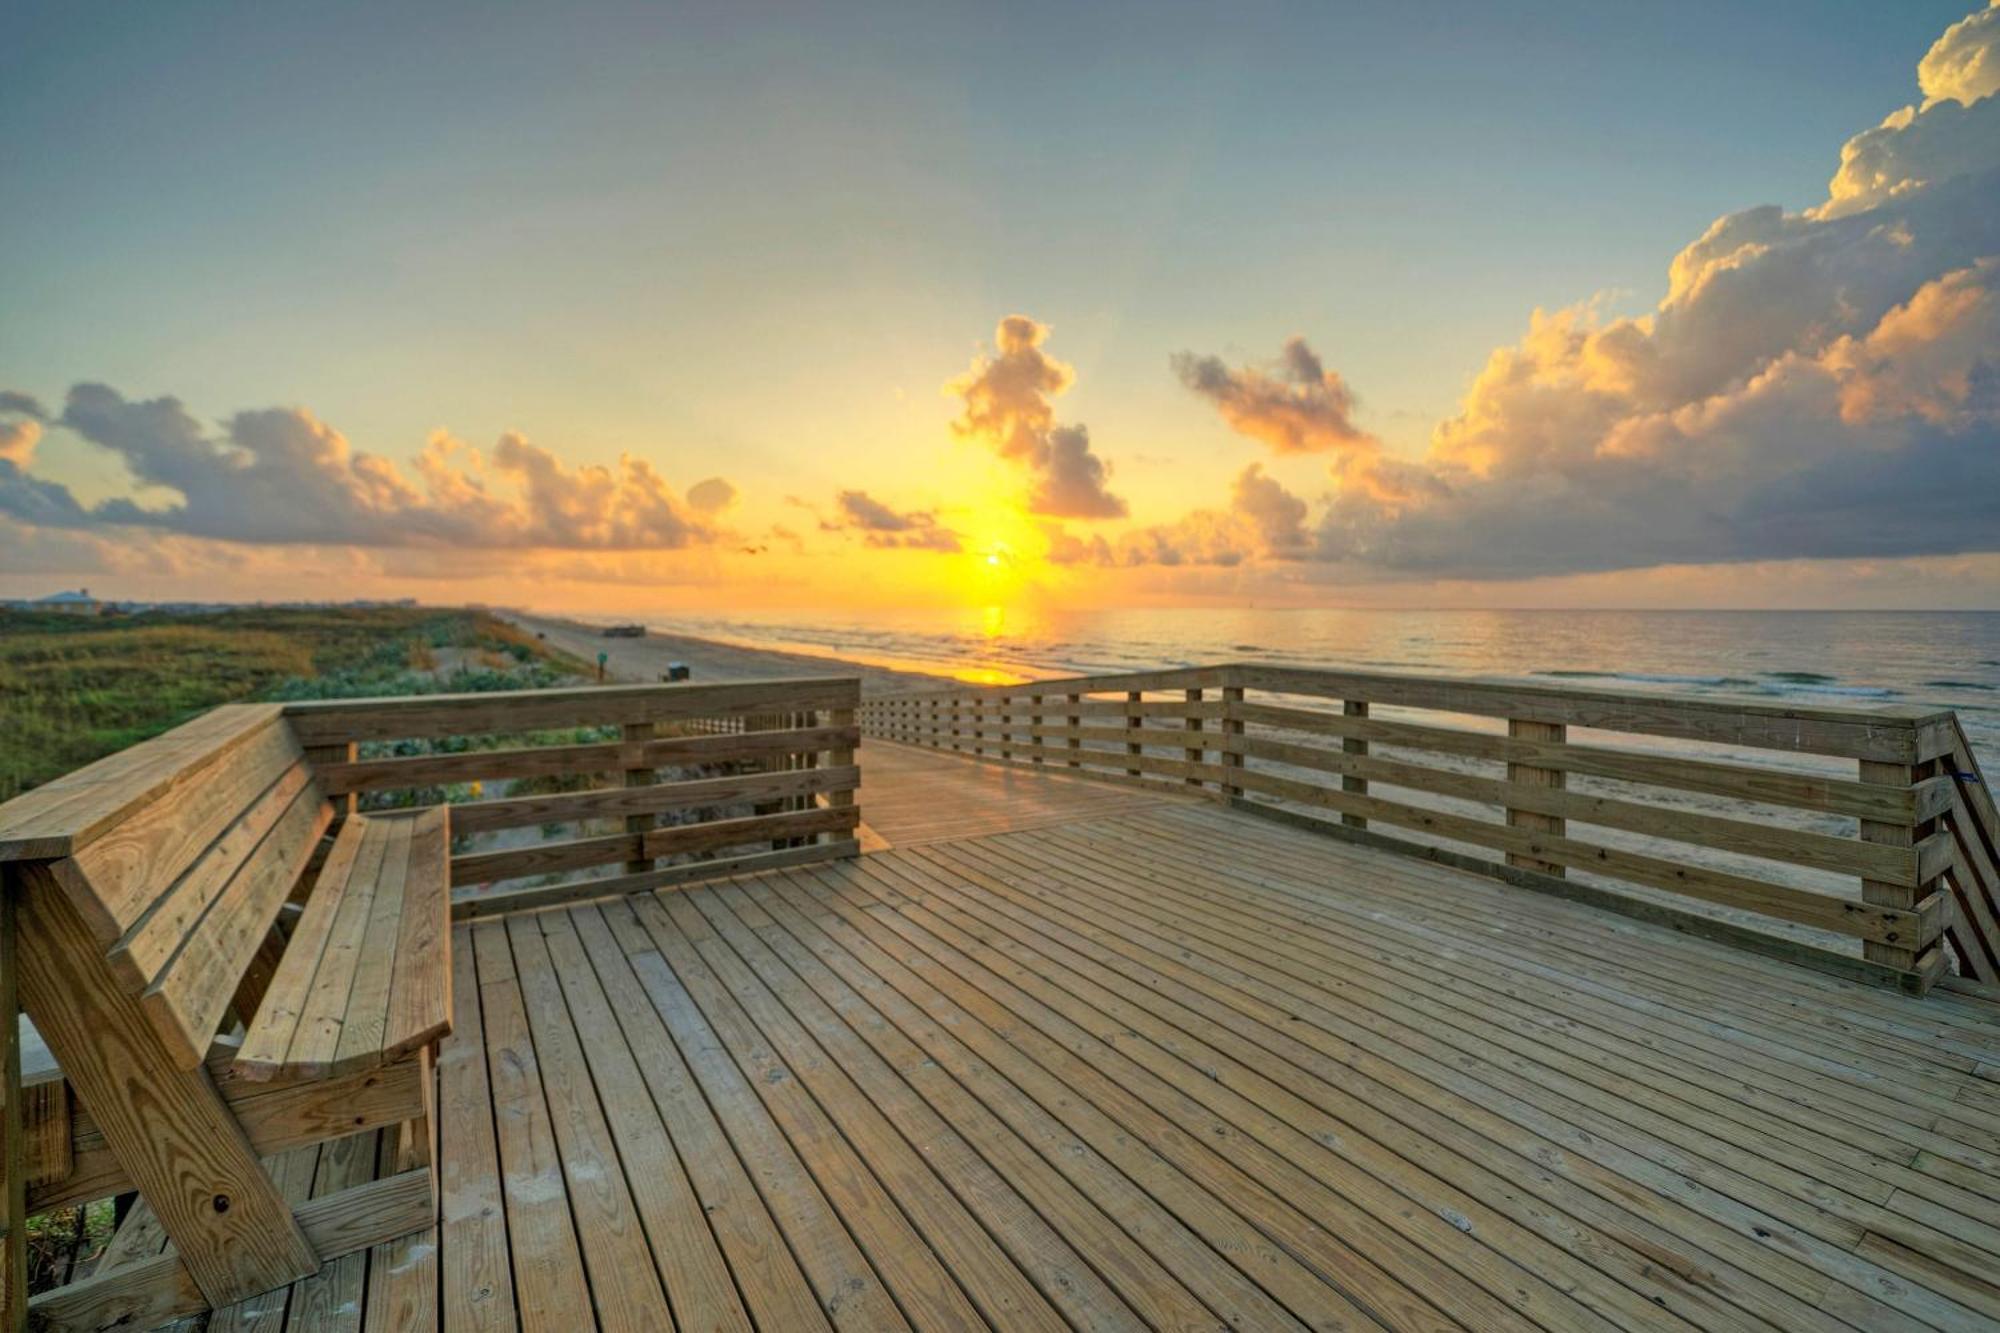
<point>1160,1064</point>
<point>912,796</point>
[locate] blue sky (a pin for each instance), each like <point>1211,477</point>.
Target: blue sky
<point>755,240</point>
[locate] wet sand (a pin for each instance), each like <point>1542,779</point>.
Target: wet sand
<point>647,659</point>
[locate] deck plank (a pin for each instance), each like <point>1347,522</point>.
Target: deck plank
<point>849,1290</point>
<point>691,1267</point>
<point>477,1284</point>
<point>624,1283</point>
<point>549,1287</point>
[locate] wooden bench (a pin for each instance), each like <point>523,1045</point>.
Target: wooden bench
<point>223,967</point>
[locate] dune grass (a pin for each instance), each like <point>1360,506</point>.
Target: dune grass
<point>73,689</point>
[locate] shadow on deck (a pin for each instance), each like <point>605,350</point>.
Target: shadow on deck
<point>1138,1061</point>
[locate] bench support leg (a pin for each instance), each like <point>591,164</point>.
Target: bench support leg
<point>167,1126</point>
<point>415,1141</point>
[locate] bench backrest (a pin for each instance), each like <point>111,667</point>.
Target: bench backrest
<point>179,854</point>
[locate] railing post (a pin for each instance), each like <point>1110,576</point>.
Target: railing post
<point>1074,722</point>
<point>13,1170</point>
<point>1035,737</point>
<point>1232,738</point>
<point>1903,956</point>
<point>635,735</point>
<point>1354,708</point>
<point>1132,720</point>
<point>1528,775</point>
<point>979,725</point>
<point>1195,753</point>
<point>342,752</point>
<point>1006,702</point>
<point>839,757</point>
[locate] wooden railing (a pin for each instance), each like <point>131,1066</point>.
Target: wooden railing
<point>1859,840</point>
<point>549,788</point>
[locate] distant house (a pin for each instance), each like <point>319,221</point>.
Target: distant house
<point>78,603</point>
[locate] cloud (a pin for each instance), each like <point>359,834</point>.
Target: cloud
<point>21,419</point>
<point>1964,64</point>
<point>1819,384</point>
<point>711,496</point>
<point>1297,405</point>
<point>1007,406</point>
<point>1263,519</point>
<point>282,476</point>
<point>1070,481</point>
<point>1277,516</point>
<point>890,529</point>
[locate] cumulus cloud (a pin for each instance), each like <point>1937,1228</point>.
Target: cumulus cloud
<point>1274,513</point>
<point>1007,404</point>
<point>1964,64</point>
<point>890,529</point>
<point>1818,384</point>
<point>1295,405</point>
<point>1263,519</point>
<point>1070,480</point>
<point>282,476</point>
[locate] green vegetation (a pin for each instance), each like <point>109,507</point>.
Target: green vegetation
<point>73,689</point>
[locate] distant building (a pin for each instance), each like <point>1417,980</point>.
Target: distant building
<point>78,603</point>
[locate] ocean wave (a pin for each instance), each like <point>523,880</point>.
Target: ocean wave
<point>1654,678</point>
<point>1847,691</point>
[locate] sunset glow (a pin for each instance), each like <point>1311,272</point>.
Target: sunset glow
<point>829,323</point>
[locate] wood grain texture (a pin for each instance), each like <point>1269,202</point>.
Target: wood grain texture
<point>170,1130</point>
<point>273,1118</point>
<point>1174,1066</point>
<point>365,980</point>
<point>603,757</point>
<point>1411,773</point>
<point>187,1002</point>
<point>150,944</point>
<point>513,711</point>
<point>478,1287</point>
<point>156,1291</point>
<point>475,905</point>
<point>66,815</point>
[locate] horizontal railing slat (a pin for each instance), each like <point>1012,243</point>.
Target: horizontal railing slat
<point>600,757</point>
<point>1839,915</point>
<point>1748,782</point>
<point>474,905</point>
<point>1888,733</point>
<point>613,802</point>
<point>1820,851</point>
<point>508,711</point>
<point>583,853</point>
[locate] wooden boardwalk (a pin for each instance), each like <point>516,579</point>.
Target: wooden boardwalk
<point>911,796</point>
<point>1154,1063</point>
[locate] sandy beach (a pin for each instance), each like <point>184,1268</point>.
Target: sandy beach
<point>647,659</point>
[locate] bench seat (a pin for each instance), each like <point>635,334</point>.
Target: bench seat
<point>364,980</point>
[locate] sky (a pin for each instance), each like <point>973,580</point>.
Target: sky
<point>606,308</point>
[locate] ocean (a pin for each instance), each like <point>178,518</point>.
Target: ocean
<point>1945,658</point>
